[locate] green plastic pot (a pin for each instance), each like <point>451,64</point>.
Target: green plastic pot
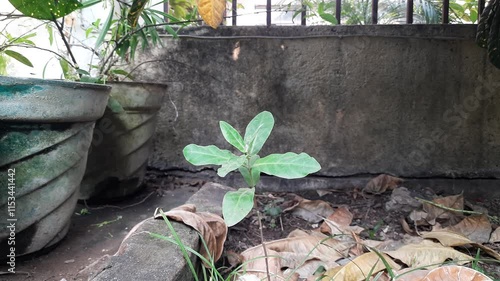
<point>123,141</point>
<point>45,131</point>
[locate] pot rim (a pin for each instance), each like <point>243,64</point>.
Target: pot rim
<point>10,80</point>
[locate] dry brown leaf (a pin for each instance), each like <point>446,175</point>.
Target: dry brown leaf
<point>406,226</point>
<point>381,184</point>
<point>434,212</point>
<point>212,228</point>
<point>315,247</point>
<point>495,236</point>
<point>359,268</point>
<point>212,11</point>
<point>452,239</point>
<point>256,263</point>
<point>312,211</point>
<point>455,273</point>
<point>418,218</point>
<point>428,254</point>
<point>476,228</point>
<point>338,224</point>
<point>302,264</point>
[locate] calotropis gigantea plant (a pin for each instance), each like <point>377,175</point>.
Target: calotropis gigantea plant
<point>237,204</point>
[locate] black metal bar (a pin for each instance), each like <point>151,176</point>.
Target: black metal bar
<point>480,8</point>
<point>234,14</point>
<point>268,12</point>
<point>374,11</point>
<point>303,15</point>
<point>338,10</point>
<point>446,11</point>
<point>409,12</point>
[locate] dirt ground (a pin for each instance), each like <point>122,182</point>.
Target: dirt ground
<point>97,230</point>
<point>369,212</point>
<point>101,230</point>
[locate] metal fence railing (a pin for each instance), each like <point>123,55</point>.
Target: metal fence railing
<point>232,12</point>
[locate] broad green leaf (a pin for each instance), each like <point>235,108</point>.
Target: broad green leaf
<point>456,7</point>
<point>46,9</point>
<point>212,11</point>
<point>105,28</point>
<point>231,165</point>
<point>232,136</point>
<point>20,58</point>
<point>115,106</point>
<point>328,17</point>
<point>237,204</point>
<point>257,132</point>
<point>251,177</point>
<point>289,165</point>
<point>206,155</point>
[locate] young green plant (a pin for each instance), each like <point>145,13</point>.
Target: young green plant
<point>237,204</point>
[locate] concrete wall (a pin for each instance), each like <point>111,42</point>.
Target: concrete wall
<point>414,101</point>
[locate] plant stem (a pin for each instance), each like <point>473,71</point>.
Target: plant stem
<point>264,246</point>
<point>61,31</point>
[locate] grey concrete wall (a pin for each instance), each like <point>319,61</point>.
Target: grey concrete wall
<point>413,101</point>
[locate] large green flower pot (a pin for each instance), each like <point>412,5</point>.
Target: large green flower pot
<point>45,131</point>
<point>123,141</point>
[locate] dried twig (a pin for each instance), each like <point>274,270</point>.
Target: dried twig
<point>264,247</point>
<point>493,218</point>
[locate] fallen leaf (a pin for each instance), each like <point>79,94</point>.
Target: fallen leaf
<point>406,226</point>
<point>495,236</point>
<point>452,239</point>
<point>476,228</point>
<point>359,268</point>
<point>418,218</point>
<point>212,228</point>
<point>255,263</point>
<point>381,184</point>
<point>312,211</point>
<point>427,254</point>
<point>339,222</point>
<point>455,273</point>
<point>442,212</point>
<point>287,251</point>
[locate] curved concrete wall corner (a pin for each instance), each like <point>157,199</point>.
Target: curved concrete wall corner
<point>413,101</point>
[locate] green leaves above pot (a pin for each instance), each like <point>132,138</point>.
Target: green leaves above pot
<point>237,204</point>
<point>46,9</point>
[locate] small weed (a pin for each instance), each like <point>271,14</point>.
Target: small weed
<point>372,233</point>
<point>83,212</point>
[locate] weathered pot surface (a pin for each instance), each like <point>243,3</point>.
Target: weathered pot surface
<point>45,132</point>
<point>122,141</point>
